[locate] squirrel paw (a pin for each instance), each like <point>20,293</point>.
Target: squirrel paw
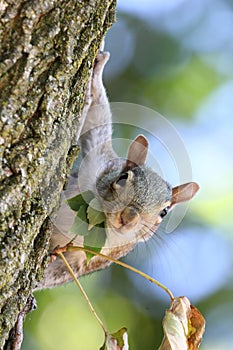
<point>100,61</point>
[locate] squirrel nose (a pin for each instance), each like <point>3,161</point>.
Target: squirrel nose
<point>129,216</point>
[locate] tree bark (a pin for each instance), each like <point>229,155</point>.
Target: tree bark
<point>46,54</point>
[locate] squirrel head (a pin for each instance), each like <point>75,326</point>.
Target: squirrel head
<point>136,199</point>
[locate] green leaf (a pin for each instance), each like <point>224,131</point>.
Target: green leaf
<point>81,199</point>
<point>82,213</point>
<point>119,336</point>
<point>80,224</point>
<point>95,240</point>
<point>95,214</point>
<point>89,221</point>
<point>116,341</point>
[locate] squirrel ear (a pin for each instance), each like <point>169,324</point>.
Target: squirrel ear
<point>137,152</point>
<point>184,192</point>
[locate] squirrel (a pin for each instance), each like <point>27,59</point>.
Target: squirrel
<point>134,198</point>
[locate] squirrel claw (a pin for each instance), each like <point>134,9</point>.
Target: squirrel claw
<point>100,61</point>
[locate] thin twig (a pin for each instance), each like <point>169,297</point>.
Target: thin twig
<point>73,248</point>
<point>82,291</point>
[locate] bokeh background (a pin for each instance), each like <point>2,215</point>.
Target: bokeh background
<point>175,57</point>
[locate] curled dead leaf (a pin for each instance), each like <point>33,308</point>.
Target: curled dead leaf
<point>183,326</point>
<point>196,328</point>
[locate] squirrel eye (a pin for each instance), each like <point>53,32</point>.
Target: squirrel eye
<point>164,212</point>
<point>121,181</point>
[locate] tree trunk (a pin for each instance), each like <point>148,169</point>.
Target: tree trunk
<point>46,54</point>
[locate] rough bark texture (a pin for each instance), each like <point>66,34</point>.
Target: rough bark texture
<point>47,50</point>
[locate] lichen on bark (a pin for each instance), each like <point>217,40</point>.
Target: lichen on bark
<point>46,55</point>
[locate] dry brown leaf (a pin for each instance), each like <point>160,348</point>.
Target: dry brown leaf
<point>196,328</point>
<point>183,326</point>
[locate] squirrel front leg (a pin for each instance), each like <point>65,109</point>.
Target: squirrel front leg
<point>96,138</point>
<point>99,112</point>
<point>98,93</point>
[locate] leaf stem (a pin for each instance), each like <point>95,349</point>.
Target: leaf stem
<point>82,291</point>
<point>121,263</point>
